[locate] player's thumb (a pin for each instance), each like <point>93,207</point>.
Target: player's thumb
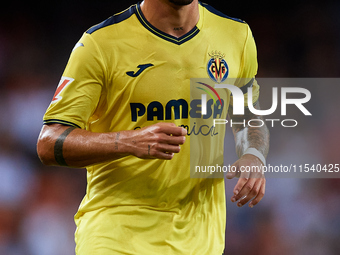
<point>232,173</point>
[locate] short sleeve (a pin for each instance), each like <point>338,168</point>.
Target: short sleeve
<point>248,69</point>
<point>79,89</point>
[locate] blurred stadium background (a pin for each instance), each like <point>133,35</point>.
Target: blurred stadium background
<point>37,203</point>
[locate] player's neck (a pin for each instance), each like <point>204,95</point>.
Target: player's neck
<point>170,18</point>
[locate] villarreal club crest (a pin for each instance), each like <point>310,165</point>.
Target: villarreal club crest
<point>217,67</point>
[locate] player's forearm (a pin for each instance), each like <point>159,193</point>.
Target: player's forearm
<point>250,137</point>
<point>74,147</point>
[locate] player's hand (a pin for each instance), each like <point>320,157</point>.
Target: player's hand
<point>251,184</point>
<point>160,141</point>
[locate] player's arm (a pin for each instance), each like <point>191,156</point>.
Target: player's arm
<point>68,146</point>
<point>251,185</point>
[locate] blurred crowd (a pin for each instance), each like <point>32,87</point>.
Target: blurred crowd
<point>37,203</point>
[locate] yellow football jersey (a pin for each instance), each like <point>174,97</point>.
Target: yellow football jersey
<point>125,74</point>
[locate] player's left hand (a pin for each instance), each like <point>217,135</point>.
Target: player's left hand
<point>251,184</point>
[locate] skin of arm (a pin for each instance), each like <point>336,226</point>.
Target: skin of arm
<point>251,185</point>
<point>67,146</point>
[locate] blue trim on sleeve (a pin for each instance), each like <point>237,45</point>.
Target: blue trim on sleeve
<point>248,85</point>
<point>113,19</point>
<point>213,10</point>
<point>62,122</point>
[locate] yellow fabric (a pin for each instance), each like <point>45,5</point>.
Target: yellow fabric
<point>136,206</point>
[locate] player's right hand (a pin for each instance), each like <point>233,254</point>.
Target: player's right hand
<point>160,141</point>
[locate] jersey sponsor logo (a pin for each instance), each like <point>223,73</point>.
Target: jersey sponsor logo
<point>141,69</point>
<point>175,109</point>
<point>180,109</point>
<point>217,67</point>
<point>64,82</point>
